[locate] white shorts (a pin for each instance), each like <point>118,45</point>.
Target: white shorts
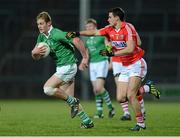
<point>117,68</point>
<point>98,69</point>
<point>67,72</point>
<point>138,69</point>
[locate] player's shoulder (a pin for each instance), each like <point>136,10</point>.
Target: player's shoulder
<point>107,28</point>
<point>58,33</point>
<point>130,24</point>
<point>57,30</point>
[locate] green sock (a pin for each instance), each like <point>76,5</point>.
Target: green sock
<point>107,99</point>
<point>70,100</point>
<point>84,117</point>
<point>99,104</point>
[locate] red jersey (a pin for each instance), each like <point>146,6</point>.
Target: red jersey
<point>119,38</point>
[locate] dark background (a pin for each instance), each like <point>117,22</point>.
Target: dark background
<point>157,22</point>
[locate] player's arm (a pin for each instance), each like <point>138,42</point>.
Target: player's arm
<point>83,33</point>
<point>84,53</point>
<point>80,46</point>
<point>37,52</point>
<point>89,33</point>
<point>78,43</point>
<point>127,50</point>
<point>107,42</point>
<point>138,40</point>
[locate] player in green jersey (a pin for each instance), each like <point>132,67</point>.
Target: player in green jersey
<point>61,83</point>
<point>98,69</point>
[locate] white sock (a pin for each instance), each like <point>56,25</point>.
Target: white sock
<point>141,124</point>
<point>146,88</point>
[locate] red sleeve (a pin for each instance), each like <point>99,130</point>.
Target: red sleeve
<point>128,33</point>
<point>133,29</point>
<point>103,31</point>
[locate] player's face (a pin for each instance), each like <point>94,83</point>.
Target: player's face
<point>90,26</point>
<point>43,26</point>
<point>112,20</point>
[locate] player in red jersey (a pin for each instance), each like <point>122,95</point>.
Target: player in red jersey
<point>124,40</point>
<point>117,67</point>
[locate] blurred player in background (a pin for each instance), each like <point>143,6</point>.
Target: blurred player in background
<point>98,69</point>
<point>124,38</point>
<point>61,83</point>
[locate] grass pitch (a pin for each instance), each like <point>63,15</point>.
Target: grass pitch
<point>52,117</point>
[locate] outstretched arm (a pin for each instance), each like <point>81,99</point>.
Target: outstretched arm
<point>89,33</point>
<point>70,35</point>
<point>138,40</point>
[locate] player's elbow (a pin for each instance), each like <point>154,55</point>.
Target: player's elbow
<point>130,48</point>
<point>76,41</point>
<point>139,43</point>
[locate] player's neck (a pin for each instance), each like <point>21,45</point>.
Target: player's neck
<point>46,33</point>
<point>118,25</point>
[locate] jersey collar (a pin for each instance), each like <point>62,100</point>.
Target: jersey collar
<point>51,27</point>
<point>122,26</point>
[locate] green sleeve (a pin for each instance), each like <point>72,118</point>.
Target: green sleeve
<point>61,36</point>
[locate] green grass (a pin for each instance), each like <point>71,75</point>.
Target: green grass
<point>52,117</point>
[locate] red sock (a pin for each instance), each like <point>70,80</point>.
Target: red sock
<point>139,118</point>
<point>125,107</point>
<point>141,90</point>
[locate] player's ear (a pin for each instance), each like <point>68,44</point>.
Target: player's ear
<point>49,23</point>
<point>117,18</point>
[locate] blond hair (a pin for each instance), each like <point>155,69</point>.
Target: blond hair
<point>44,15</point>
<point>91,20</point>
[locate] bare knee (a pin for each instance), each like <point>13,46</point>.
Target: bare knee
<point>50,91</point>
<point>121,99</point>
<point>99,89</point>
<point>131,97</point>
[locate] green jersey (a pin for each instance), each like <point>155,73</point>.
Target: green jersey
<point>61,49</point>
<point>94,45</point>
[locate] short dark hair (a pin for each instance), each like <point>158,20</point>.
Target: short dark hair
<point>117,11</point>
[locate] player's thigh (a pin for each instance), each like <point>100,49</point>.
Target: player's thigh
<point>116,82</point>
<point>100,85</point>
<point>66,73</point>
<point>121,94</point>
<point>134,85</point>
<point>122,85</point>
<point>94,86</point>
<point>53,82</point>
